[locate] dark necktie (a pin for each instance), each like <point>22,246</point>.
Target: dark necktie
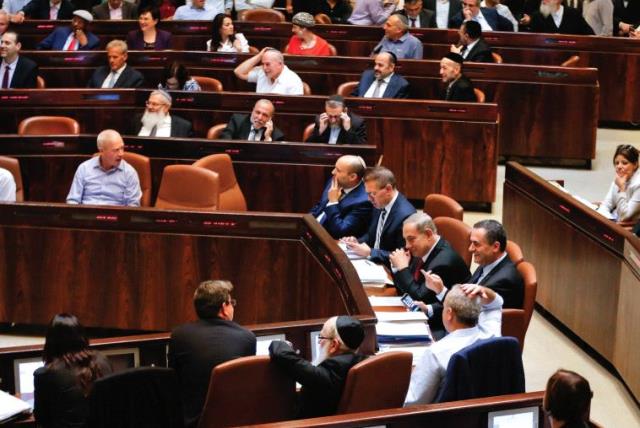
<point>475,279</point>
<point>342,194</point>
<point>154,130</point>
<point>448,94</point>
<point>416,272</point>
<point>383,215</point>
<point>5,78</point>
<point>413,22</point>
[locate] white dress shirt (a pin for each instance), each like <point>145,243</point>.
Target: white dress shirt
<point>480,19</point>
<point>107,80</point>
<point>383,87</point>
<point>442,13</point>
<point>287,83</point>
<point>7,186</point>
<point>557,16</point>
<point>115,14</point>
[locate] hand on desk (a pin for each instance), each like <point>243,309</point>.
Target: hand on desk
<point>400,258</point>
<point>363,250</point>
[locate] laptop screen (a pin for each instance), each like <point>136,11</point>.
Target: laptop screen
<point>526,417</point>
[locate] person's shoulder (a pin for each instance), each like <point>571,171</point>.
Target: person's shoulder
<point>90,163</point>
<point>399,78</point>
<point>26,62</point>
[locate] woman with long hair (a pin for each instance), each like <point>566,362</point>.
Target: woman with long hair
<point>224,38</point>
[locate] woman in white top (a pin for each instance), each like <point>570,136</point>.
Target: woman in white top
<point>622,202</point>
<point>223,38</point>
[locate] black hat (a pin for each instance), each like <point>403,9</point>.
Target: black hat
<point>455,57</point>
<point>350,331</point>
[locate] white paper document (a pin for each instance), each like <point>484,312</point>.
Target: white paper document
<point>371,272</point>
<point>11,406</point>
<point>402,329</point>
<point>407,316</point>
<point>385,301</point>
<point>348,252</point>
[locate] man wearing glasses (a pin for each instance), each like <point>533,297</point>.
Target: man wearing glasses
<point>322,382</point>
<point>157,122</point>
<point>196,348</point>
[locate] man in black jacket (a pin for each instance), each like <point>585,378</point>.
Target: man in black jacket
<point>458,87</point>
<point>337,125</point>
<point>255,127</point>
<point>45,9</point>
<point>553,17</point>
<point>16,71</point>
<point>117,74</point>
<point>157,120</point>
<point>472,46</point>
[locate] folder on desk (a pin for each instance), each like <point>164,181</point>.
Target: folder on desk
<point>11,406</point>
<point>403,333</point>
<point>370,272</point>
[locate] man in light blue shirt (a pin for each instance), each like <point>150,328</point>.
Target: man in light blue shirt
<point>372,12</point>
<point>106,179</point>
<point>198,11</point>
<point>398,40</point>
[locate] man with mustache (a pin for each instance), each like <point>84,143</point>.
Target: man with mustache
<point>553,17</point>
<point>157,122</point>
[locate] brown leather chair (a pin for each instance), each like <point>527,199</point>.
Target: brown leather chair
<point>497,58</point>
<point>49,125</point>
<point>188,187</point>
<point>230,196</point>
<point>215,131</point>
<point>308,131</point>
<point>571,62</point>
<point>515,322</point>
<point>248,391</point>
<point>437,205</point>
<point>379,382</point>
<point>306,89</point>
<point>515,252</point>
<point>479,95</point>
<point>208,83</point>
<point>322,18</point>
<point>40,83</point>
<point>13,166</point>
<point>457,233</point>
<point>347,88</point>
<point>263,15</point>
<point>142,165</point>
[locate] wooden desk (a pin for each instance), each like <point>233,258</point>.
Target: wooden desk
<point>588,267</point>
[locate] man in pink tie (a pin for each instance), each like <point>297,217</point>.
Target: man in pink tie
<point>74,37</point>
<point>15,71</point>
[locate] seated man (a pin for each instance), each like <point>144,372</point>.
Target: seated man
<point>115,10</point>
<point>502,9</point>
<point>197,11</point>
<point>489,19</point>
<point>337,125</point>
<point>73,37</point>
<point>599,16</point>
<point>157,122</point>
<point>344,208</point>
<point>471,312</point>
<point>418,17</point>
<point>426,252</point>
<point>255,127</point>
<point>372,12</point>
<point>458,88</point>
<point>382,82</point>
<point>626,18</point>
<point>445,10</point>
<point>16,71</point>
<point>553,17</point>
<point>195,349</point>
<point>106,179</point>
<point>322,383</point>
<point>274,77</point>
<point>398,40</point>
<point>7,186</point>
<point>4,21</point>
<point>385,230</point>
<point>117,74</point>
<point>472,46</point>
<point>45,9</point>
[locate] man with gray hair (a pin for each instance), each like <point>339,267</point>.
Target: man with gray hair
<point>273,77</point>
<point>337,125</point>
<point>322,382</point>
<point>117,74</point>
<point>157,122</point>
<point>106,179</point>
<point>471,312</point>
<point>196,348</point>
<point>4,21</point>
<point>255,127</point>
<point>398,40</point>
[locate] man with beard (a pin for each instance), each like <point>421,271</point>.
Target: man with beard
<point>382,82</point>
<point>157,122</point>
<point>322,382</point>
<point>472,46</point>
<point>553,17</point>
<point>459,88</point>
<point>255,127</point>
<point>74,37</point>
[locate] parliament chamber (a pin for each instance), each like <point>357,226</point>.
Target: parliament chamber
<point>133,271</point>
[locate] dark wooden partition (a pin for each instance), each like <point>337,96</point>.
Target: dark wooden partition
<point>588,267</point>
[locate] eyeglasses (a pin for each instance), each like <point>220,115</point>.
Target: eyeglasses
<point>154,104</point>
<point>320,338</point>
<point>232,302</point>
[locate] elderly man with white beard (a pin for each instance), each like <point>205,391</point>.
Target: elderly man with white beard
<point>157,122</point>
<point>322,382</point>
<point>553,17</point>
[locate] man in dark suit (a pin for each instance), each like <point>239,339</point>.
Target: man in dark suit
<point>458,87</point>
<point>385,229</point>
<point>488,18</point>
<point>255,127</point>
<point>382,82</point>
<point>196,348</point>
<point>344,208</point>
<point>472,46</point>
<point>444,11</point>
<point>157,122</point>
<point>115,9</point>
<point>553,17</point>
<point>117,74</point>
<point>74,37</point>
<point>417,17</point>
<point>626,16</point>
<point>337,125</point>
<point>45,9</point>
<point>426,252</point>
<point>16,71</point>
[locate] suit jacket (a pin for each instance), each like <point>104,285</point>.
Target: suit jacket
<point>195,349</point>
<point>427,18</point>
<point>391,237</point>
<point>25,75</point>
<point>135,40</point>
<point>357,134</point>
<point>572,23</point>
<point>629,14</point>
<point>455,7</point>
<point>398,86</point>
<point>130,78</point>
<point>101,11</point>
<point>239,128</point>
<point>322,385</point>
<point>57,38</point>
<point>461,90</point>
<point>481,52</point>
<point>39,9</point>
<point>349,217</point>
<point>505,280</point>
<point>180,128</point>
<point>496,21</point>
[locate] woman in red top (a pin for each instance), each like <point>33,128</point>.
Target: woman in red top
<point>303,41</point>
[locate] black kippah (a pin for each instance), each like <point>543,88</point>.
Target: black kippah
<point>350,331</point>
<point>455,57</point>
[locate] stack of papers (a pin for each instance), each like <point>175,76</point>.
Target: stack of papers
<point>403,333</point>
<point>385,301</point>
<point>348,252</point>
<point>371,273</point>
<point>11,406</point>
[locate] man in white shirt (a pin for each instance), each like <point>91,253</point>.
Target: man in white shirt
<point>471,313</point>
<point>157,122</point>
<point>7,186</point>
<point>489,19</point>
<point>273,77</point>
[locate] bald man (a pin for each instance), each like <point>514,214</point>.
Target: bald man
<point>272,76</point>
<point>398,40</point>
<point>255,127</point>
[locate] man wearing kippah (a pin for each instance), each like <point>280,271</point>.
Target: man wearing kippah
<point>74,37</point>
<point>157,122</point>
<point>458,88</point>
<point>323,382</point>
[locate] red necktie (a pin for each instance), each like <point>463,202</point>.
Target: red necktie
<point>72,44</point>
<point>5,78</point>
<point>416,273</point>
